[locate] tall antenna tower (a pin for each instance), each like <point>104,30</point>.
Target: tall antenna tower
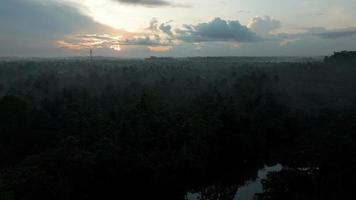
<point>91,55</point>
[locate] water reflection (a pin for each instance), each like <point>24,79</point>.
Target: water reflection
<point>245,192</point>
<point>249,190</point>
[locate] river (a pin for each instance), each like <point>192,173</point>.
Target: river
<point>247,191</point>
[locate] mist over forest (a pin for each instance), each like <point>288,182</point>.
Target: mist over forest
<point>169,128</point>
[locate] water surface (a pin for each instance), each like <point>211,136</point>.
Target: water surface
<point>247,191</point>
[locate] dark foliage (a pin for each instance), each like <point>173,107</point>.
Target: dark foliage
<point>158,128</point>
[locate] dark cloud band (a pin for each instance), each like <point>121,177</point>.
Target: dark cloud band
<point>337,34</point>
<point>149,3</point>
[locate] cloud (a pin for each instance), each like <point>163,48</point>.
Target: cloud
<point>335,34</point>
<point>312,34</point>
<point>157,39</point>
<point>153,25</point>
<point>160,49</point>
<point>324,33</point>
<point>166,28</point>
<point>106,41</point>
<point>314,30</point>
<point>217,30</point>
<point>264,25</point>
<point>243,11</point>
<point>150,3</point>
<point>90,41</point>
<point>147,40</point>
<point>29,28</point>
<point>45,18</point>
<point>287,42</point>
<point>156,28</point>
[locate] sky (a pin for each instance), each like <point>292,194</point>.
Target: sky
<point>178,28</point>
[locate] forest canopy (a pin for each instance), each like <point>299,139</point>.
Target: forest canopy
<point>157,128</point>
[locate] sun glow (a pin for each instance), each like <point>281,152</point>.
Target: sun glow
<point>160,49</point>
<point>90,41</point>
<point>116,47</point>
